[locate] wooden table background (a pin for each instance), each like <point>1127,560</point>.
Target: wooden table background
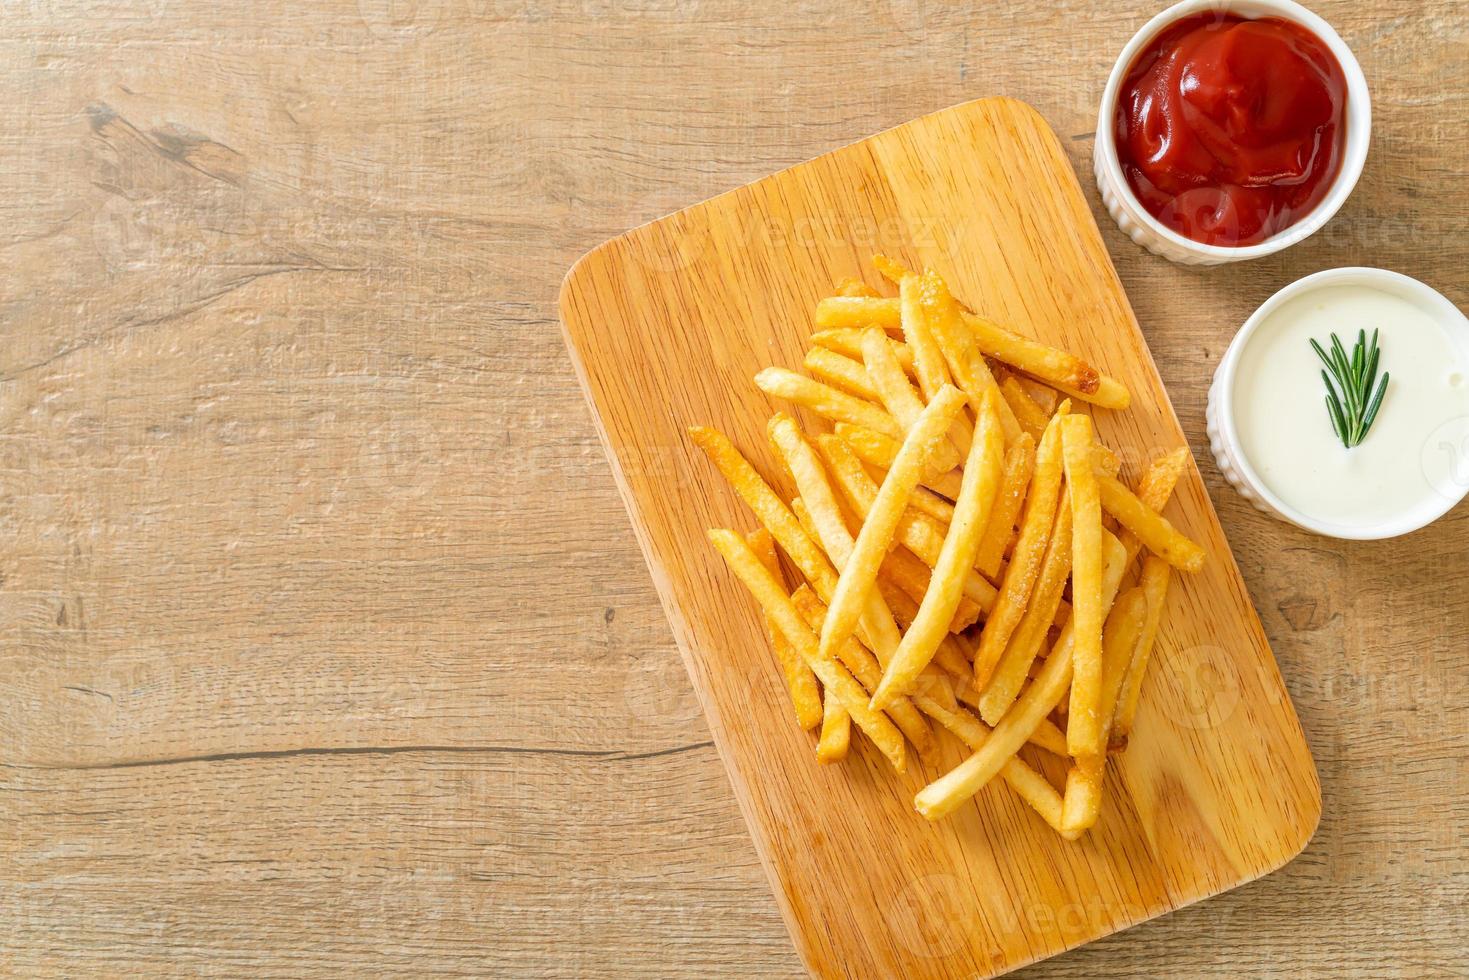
<point>324,642</point>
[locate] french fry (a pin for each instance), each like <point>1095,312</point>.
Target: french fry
<point>1154,489</point>
<point>945,794</point>
<point>786,529</point>
<point>1151,528</point>
<point>1065,372</point>
<point>919,533</point>
<point>836,731</point>
<point>1019,463</point>
<point>906,572</point>
<point>848,341</point>
<point>928,358</point>
<point>800,682</point>
<point>892,386</point>
<point>1110,393</point>
<point>1120,637</point>
<point>1083,798</point>
<point>840,372</point>
<point>865,667</point>
<point>1049,364</point>
<point>856,311</point>
<point>771,511</point>
<point>971,510</point>
<point>897,394</point>
<point>1154,584</point>
<point>855,287</point>
<point>1031,785</point>
<point>876,449</point>
<point>953,660</point>
<point>821,504</point>
<point>1042,394</point>
<point>1084,734</point>
<point>913,459</point>
<point>826,401</point>
<point>1027,413</point>
<point>836,312</point>
<point>942,319</point>
<point>833,676</point>
<point>1035,530</point>
<point>890,269</point>
<point>1026,642</point>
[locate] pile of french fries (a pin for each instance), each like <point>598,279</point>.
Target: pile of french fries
<point>933,536</point>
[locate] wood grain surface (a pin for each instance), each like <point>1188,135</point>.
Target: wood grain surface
<point>326,643</point>
<point>668,324</point>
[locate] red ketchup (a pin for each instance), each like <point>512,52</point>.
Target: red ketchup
<point>1230,130</point>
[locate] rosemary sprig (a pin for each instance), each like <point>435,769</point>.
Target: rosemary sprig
<point>1351,401</point>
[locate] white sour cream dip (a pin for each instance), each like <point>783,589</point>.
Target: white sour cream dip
<point>1414,462</point>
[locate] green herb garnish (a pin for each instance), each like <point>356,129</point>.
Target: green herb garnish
<point>1351,402</point>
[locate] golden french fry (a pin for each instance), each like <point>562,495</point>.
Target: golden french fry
<point>971,510</point>
<point>1151,528</point>
<point>943,320</point>
<point>907,573</point>
<point>1039,360</point>
<point>915,456</point>
<point>1031,785</point>
<point>1082,802</point>
<point>1110,393</point>
<point>836,731</point>
<point>1154,583</point>
<point>855,287</point>
<point>878,450</point>
<point>897,395</point>
<point>918,532</point>
<point>1120,637</point>
<point>1083,798</point>
<point>1065,372</point>
<point>800,682</point>
<point>1019,463</point>
<point>1155,487</point>
<point>887,378</point>
<point>954,660</point>
<point>942,796</point>
<point>848,341</point>
<point>833,676</point>
<point>771,511</point>
<point>928,358</point>
<point>1035,530</point>
<point>1084,735</point>
<point>865,667</point>
<point>840,372</point>
<point>890,269</point>
<point>836,312</point>
<point>1027,413</point>
<point>1042,394</point>
<point>826,401</point>
<point>831,529</point>
<point>1026,642</point>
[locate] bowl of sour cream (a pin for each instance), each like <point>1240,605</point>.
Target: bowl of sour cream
<point>1271,423</point>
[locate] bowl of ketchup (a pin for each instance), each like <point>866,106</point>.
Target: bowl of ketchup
<point>1230,130</point>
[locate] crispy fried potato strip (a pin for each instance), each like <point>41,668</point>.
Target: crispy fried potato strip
<point>1020,576</point>
<point>956,558</point>
<point>914,458</point>
<point>945,794</point>
<point>1084,734</point>
<point>800,682</point>
<point>834,677</point>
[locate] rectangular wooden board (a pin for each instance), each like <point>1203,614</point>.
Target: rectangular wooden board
<point>668,323</point>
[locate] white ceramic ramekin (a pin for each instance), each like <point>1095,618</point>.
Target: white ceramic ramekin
<point>1229,451</point>
<point>1146,230</point>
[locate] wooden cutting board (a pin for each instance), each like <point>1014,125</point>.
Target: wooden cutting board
<point>668,323</point>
